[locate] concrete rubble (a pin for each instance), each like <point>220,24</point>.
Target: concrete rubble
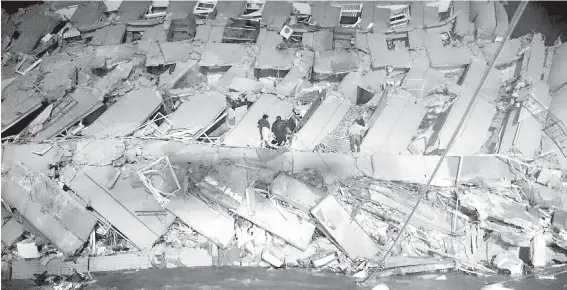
<point>135,142</point>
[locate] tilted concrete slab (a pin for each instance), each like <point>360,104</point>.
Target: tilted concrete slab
<point>509,51</point>
<point>335,62</point>
<point>523,131</point>
<point>345,232</point>
<point>246,132</point>
<point>196,113</point>
<point>393,129</point>
<point>126,115</point>
<point>216,226</point>
<point>462,23</point>
<point>382,56</point>
<point>300,195</point>
<point>491,87</point>
<point>223,54</point>
<point>51,210</point>
<point>98,197</point>
<point>472,134</point>
<point>275,14</point>
<point>557,76</point>
<point>324,120</point>
<point>449,57</point>
<point>325,14</point>
<point>319,40</point>
<point>301,71</point>
<point>536,58</point>
<point>420,79</point>
<point>270,57</point>
<point>132,198</point>
<point>279,222</point>
<point>426,216</point>
<point>245,70</point>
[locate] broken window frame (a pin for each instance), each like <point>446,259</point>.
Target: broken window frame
<point>236,24</point>
<point>253,9</point>
<point>300,18</point>
<point>150,13</point>
<point>354,11</point>
<point>203,8</point>
<point>399,17</point>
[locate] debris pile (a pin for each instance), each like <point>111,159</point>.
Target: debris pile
<point>102,172</point>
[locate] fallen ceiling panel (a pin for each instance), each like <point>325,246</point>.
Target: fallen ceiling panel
<point>126,115</point>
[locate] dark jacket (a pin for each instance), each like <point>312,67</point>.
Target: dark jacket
<point>263,123</point>
<point>278,128</point>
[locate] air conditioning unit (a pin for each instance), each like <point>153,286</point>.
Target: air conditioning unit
<point>286,32</point>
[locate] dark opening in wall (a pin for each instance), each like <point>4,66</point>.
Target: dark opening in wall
<point>241,31</point>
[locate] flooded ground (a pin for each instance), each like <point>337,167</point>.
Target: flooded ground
<point>220,278</point>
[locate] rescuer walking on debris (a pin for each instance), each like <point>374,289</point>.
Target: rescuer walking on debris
<point>264,127</point>
<point>279,128</point>
<point>355,135</point>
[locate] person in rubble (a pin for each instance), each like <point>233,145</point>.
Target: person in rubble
<point>264,127</point>
<point>355,135</point>
<point>279,129</point>
<point>293,121</point>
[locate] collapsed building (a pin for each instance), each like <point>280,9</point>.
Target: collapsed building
<point>130,134</point>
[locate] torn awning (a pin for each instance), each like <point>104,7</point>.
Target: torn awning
<point>246,132</point>
<point>126,115</point>
<point>223,54</point>
<point>323,121</point>
<point>270,57</point>
<point>197,113</point>
<point>392,131</point>
<point>51,210</point>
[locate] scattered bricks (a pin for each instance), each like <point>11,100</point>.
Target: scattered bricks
<point>11,231</point>
<point>128,261</point>
<point>25,269</point>
<point>559,219</point>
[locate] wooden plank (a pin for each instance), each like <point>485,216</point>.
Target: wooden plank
<point>213,225</point>
<point>345,232</point>
<point>279,222</point>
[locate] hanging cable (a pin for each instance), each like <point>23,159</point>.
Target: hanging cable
<point>425,189</point>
